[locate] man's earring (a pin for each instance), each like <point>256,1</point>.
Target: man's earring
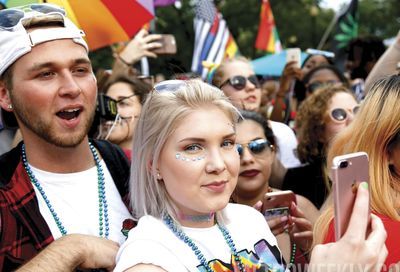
<point>159,176</point>
<point>10,107</point>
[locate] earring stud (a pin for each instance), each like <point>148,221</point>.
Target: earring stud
<point>10,107</point>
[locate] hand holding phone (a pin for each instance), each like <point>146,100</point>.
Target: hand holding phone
<point>294,54</point>
<point>168,45</point>
<point>347,172</point>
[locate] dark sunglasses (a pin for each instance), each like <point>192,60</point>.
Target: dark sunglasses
<point>256,146</point>
<point>340,114</point>
<point>317,85</point>
<point>239,82</point>
<point>9,18</point>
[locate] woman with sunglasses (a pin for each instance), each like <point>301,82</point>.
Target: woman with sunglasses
<point>236,78</point>
<point>291,74</point>
<point>323,75</point>
<point>321,116</point>
<point>129,94</point>
<point>256,147</point>
<point>376,131</point>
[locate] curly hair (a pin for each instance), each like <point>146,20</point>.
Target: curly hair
<point>311,121</point>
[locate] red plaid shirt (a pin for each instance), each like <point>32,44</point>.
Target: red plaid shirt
<point>23,230</point>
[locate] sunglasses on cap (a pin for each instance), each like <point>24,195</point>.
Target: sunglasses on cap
<point>169,85</point>
<point>317,85</point>
<point>256,146</point>
<point>9,18</point>
<point>239,82</point>
<point>340,114</point>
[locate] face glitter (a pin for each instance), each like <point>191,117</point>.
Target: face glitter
<point>181,157</point>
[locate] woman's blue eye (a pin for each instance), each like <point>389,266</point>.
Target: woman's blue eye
<point>193,148</point>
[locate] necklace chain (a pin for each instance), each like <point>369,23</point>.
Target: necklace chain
<point>200,256</point>
<point>104,227</point>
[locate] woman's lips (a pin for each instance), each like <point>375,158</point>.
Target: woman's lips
<point>251,99</point>
<point>217,187</point>
<point>249,173</point>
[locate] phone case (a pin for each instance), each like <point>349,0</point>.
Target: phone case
<point>347,172</point>
<point>168,45</point>
<point>294,54</point>
<point>280,199</point>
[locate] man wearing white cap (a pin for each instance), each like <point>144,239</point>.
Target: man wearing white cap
<point>60,194</point>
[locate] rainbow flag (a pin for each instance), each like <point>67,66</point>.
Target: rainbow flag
<point>267,36</point>
<point>213,41</point>
<point>104,21</point>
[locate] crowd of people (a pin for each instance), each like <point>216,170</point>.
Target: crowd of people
<point>176,176</point>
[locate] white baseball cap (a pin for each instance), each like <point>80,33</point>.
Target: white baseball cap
<point>16,41</point>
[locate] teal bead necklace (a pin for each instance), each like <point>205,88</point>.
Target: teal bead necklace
<point>292,255</point>
<point>200,256</point>
<point>104,227</point>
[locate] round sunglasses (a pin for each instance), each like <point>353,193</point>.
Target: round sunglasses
<point>239,82</point>
<point>256,146</point>
<point>340,114</point>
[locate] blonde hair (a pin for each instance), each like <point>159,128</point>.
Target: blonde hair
<point>161,115</point>
<point>373,130</point>
<point>221,69</point>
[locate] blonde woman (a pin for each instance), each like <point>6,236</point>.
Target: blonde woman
<point>375,130</point>
<point>185,170</point>
<point>237,79</point>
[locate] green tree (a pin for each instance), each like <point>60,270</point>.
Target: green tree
<point>299,22</point>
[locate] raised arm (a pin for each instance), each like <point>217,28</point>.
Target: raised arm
<point>140,46</point>
<point>386,65</point>
<point>353,251</point>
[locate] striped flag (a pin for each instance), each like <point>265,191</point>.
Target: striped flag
<point>267,36</point>
<point>213,41</point>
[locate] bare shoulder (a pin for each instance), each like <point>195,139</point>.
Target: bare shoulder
<point>309,209</point>
<point>145,267</point>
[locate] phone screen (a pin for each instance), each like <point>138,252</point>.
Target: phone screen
<point>276,212</point>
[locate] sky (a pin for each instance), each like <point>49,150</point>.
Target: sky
<point>334,4</point>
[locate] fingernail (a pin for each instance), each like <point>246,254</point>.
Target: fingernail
<point>364,185</point>
<point>284,218</point>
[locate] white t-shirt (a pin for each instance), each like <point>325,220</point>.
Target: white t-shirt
<point>287,144</point>
<point>74,197</point>
<point>152,242</point>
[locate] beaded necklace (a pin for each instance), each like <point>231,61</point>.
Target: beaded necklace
<point>104,228</point>
<point>200,256</point>
<point>292,255</point>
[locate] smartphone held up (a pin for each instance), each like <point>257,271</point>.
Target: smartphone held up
<point>168,45</point>
<point>294,54</point>
<point>277,204</point>
<point>347,172</point>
